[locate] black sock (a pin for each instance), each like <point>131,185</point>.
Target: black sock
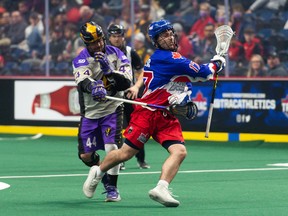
<point>113,180</point>
<point>140,156</point>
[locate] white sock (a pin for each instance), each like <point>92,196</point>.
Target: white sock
<point>163,183</point>
<point>100,174</point>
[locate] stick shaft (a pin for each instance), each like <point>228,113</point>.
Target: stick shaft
<point>136,102</point>
<point>211,107</point>
<point>209,120</point>
<point>126,101</point>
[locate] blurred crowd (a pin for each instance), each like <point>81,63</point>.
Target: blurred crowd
<point>258,49</point>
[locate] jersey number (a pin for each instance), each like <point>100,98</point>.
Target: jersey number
<point>89,143</point>
<point>147,78</point>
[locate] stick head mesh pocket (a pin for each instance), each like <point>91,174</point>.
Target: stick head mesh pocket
<point>223,35</point>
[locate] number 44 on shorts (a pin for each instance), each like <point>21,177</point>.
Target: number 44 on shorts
<point>89,143</point>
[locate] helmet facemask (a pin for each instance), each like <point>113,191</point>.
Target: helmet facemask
<point>167,40</point>
<point>162,35</point>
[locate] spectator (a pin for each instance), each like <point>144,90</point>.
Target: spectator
<point>16,32</point>
<point>157,12</point>
<point>204,18</point>
<point>34,35</point>
<point>73,15</point>
<point>236,51</point>
<point>204,49</point>
<point>144,21</point>
<point>112,8</point>
<point>237,66</point>
<point>237,21</point>
<point>15,40</point>
<point>184,45</point>
<point>2,9</point>
<point>73,42</point>
<point>252,44</point>
<point>37,6</point>
<point>220,15</point>
<point>169,6</point>
<point>24,9</point>
<point>141,49</point>
<point>56,45</point>
<point>142,24</point>
<point>276,68</point>
<point>59,20</point>
<point>4,27</point>
<point>57,7</point>
<point>89,14</point>
<point>187,7</point>
<point>256,67</point>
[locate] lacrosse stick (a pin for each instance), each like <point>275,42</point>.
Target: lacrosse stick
<point>189,111</point>
<point>137,103</point>
<point>223,35</point>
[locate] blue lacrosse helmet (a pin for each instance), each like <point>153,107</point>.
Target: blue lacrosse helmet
<point>157,28</point>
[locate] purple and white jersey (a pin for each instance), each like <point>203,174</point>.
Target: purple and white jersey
<point>85,66</point>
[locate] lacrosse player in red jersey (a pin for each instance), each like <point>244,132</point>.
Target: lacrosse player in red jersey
<point>167,79</point>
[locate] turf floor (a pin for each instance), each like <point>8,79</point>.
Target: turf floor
<point>217,178</point>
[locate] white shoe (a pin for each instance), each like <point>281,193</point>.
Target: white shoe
<point>122,166</point>
<point>91,182</point>
<point>164,196</point>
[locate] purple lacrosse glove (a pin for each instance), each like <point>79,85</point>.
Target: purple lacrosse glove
<point>104,63</point>
<point>98,91</point>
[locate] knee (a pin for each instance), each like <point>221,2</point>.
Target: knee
<point>182,153</point>
<point>178,151</point>
<point>90,159</point>
<point>85,157</point>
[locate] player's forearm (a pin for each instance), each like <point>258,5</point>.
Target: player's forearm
<point>139,80</point>
<point>120,81</point>
<point>85,85</point>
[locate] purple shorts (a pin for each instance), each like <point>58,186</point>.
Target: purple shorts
<point>93,134</point>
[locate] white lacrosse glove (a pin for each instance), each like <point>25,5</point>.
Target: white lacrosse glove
<point>183,98</point>
<point>179,99</point>
<point>219,62</point>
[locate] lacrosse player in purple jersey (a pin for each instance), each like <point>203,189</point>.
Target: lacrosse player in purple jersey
<point>167,79</point>
<point>100,70</point>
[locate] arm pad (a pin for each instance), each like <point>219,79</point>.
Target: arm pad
<point>120,82</point>
<point>85,85</point>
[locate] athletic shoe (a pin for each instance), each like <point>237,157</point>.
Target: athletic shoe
<point>164,196</point>
<point>122,166</point>
<point>91,182</point>
<point>112,194</point>
<point>143,165</point>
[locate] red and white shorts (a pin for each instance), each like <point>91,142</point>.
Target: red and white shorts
<point>162,126</point>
